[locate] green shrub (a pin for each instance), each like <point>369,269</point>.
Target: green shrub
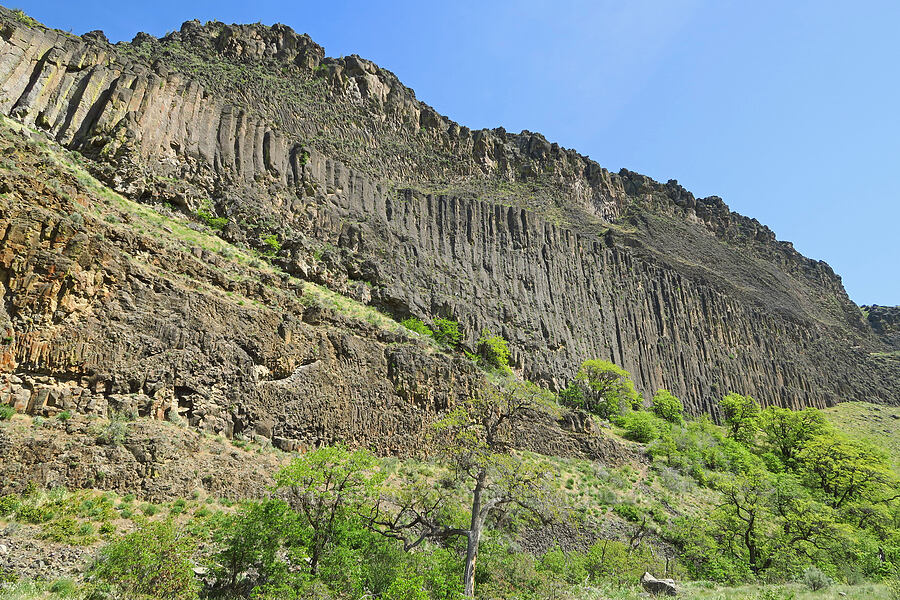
<point>815,579</point>
<point>407,588</point>
<point>741,415</point>
<point>33,514</point>
<point>8,504</point>
<point>24,19</point>
<point>64,587</point>
<point>447,332</point>
<point>666,406</point>
<point>493,350</point>
<point>64,416</point>
<point>893,587</point>
<point>565,566</point>
<point>86,529</point>
<point>107,528</point>
<point>68,530</point>
<point>414,324</point>
<point>204,213</point>
<point>629,512</point>
<point>640,426</point>
<point>114,432</point>
<point>249,543</point>
<point>273,246</point>
<point>6,412</point>
<point>154,560</point>
<point>7,575</point>
<point>572,395</point>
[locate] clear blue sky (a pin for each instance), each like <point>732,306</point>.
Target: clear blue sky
<point>788,110</point>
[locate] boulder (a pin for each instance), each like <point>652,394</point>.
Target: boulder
<point>658,586</point>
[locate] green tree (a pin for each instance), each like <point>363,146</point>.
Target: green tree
<point>249,542</point>
<point>476,442</point>
<point>603,388</point>
<point>325,485</point>
<point>744,522</point>
<point>845,469</point>
<point>807,528</point>
<point>667,406</point>
<point>154,560</point>
<point>787,431</point>
<point>741,416</point>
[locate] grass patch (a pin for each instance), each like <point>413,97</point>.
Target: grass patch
<point>875,423</point>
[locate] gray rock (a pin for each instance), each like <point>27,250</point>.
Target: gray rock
<point>658,587</point>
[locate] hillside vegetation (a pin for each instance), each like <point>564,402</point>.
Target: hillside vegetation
<point>774,496</point>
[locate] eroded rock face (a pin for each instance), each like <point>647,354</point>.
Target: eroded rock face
<point>500,231</point>
<point>885,321</point>
<point>112,308</point>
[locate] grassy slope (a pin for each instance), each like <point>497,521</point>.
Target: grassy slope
<point>876,423</point>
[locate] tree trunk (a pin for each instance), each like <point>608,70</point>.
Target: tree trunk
<point>314,560</point>
<point>471,557</point>
<point>474,536</point>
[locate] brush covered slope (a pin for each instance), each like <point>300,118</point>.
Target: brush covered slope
<point>334,172</point>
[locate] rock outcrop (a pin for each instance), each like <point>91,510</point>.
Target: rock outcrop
<point>885,321</point>
<point>359,186</point>
<point>112,308</point>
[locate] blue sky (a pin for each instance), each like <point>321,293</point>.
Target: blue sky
<point>787,110</point>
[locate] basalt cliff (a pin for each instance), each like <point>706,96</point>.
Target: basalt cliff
<point>214,225</point>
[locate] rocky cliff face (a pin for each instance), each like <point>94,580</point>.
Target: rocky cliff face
<point>113,308</point>
<point>885,321</point>
<point>372,193</point>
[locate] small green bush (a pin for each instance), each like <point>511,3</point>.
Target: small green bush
<point>629,512</point>
<point>114,432</point>
<point>6,413</point>
<point>572,395</point>
<point>668,407</point>
<point>417,326</point>
<point>8,504</point>
<point>893,587</point>
<point>815,579</point>
<point>33,514</point>
<point>640,426</point>
<point>604,389</point>
<point>64,530</point>
<point>24,19</point>
<point>273,246</point>
<point>205,214</point>
<point>64,416</point>
<point>64,587</point>
<point>493,350</point>
<point>107,528</point>
<point>407,588</point>
<point>447,332</point>
<point>7,575</point>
